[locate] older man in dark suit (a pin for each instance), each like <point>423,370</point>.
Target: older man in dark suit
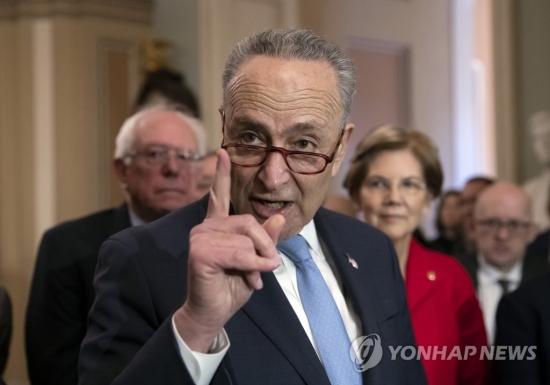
<point>6,325</point>
<point>523,322</point>
<point>156,162</point>
<point>503,227</point>
<point>277,292</point>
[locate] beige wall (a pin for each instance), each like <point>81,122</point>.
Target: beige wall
<point>178,22</point>
<point>53,114</point>
<point>223,23</point>
<point>423,26</point>
<point>533,70</point>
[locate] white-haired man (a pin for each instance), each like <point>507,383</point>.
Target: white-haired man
<point>157,163</point>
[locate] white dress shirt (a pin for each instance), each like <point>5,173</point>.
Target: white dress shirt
<point>134,219</point>
<point>489,291</point>
<point>202,367</point>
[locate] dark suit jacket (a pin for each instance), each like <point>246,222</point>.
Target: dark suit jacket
<point>141,279</point>
<point>523,319</point>
<point>532,267</point>
<point>5,328</point>
<point>540,246</point>
<point>62,294</point>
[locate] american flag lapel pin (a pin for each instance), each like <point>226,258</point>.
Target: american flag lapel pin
<point>352,261</point>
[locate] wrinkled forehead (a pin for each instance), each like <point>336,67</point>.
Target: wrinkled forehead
<point>281,87</point>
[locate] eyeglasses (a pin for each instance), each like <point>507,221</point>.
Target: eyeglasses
<point>300,162</point>
<point>514,227</point>
<point>158,155</point>
<point>408,186</point>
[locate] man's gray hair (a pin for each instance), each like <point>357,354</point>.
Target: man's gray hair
<point>300,44</point>
<point>126,138</point>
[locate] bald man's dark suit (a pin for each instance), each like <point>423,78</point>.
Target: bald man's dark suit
<point>141,280</point>
<point>6,326</point>
<point>523,320</point>
<point>62,294</point>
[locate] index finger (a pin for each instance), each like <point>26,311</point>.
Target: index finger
<point>218,204</point>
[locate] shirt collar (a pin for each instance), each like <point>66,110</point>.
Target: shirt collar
<point>490,274</point>
<point>309,232</point>
<point>134,219</point>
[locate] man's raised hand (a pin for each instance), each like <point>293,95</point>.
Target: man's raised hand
<point>226,256</point>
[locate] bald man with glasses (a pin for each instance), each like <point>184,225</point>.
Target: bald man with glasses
<point>502,228</point>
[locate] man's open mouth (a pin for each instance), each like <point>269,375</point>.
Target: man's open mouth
<point>266,208</point>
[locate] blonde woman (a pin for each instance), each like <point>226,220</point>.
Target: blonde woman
<point>394,176</point>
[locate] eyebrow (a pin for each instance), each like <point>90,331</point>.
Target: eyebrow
<point>246,122</point>
<point>304,126</point>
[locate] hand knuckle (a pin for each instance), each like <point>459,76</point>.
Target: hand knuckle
<point>249,220</point>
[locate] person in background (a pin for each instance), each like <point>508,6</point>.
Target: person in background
<point>6,326</point>
<point>448,222</point>
<point>393,178</point>
<point>464,244</point>
<point>164,86</point>
<point>156,161</point>
<point>503,227</point>
<point>523,322</point>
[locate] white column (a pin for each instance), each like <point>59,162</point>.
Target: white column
<point>43,124</point>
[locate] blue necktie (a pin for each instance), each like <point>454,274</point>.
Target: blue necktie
<point>322,313</point>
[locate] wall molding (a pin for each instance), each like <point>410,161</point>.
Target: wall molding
<point>106,146</point>
<point>131,10</point>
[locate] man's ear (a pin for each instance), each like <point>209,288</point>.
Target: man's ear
<point>121,171</point>
<point>341,152</point>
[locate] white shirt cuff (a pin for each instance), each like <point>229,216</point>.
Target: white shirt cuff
<point>202,366</point>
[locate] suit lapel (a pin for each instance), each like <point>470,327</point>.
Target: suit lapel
<point>357,282</point>
<point>360,283</point>
<point>270,310</point>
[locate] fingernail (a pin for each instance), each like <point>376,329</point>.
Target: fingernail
<point>259,283</point>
